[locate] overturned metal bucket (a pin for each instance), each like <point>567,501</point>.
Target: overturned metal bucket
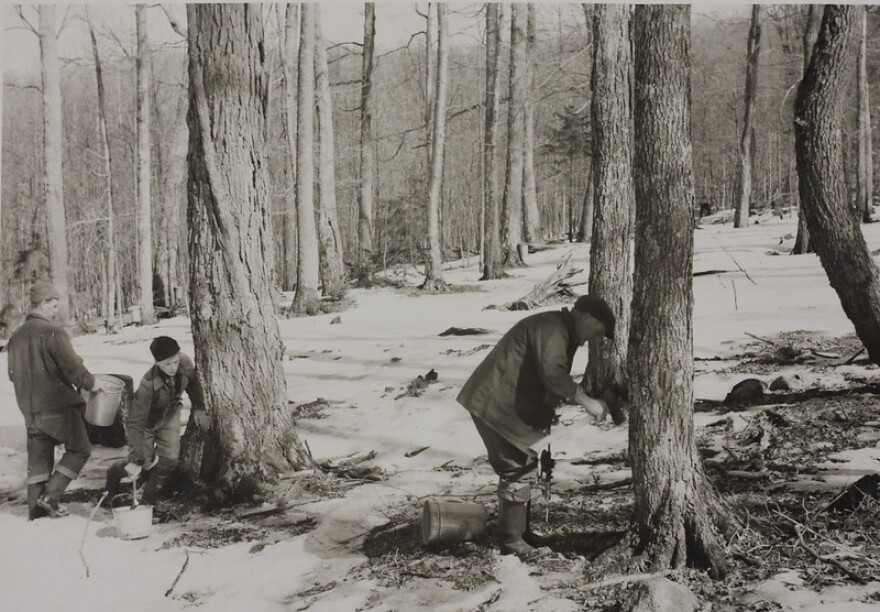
<point>450,522</point>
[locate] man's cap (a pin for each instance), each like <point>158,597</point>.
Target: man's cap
<point>598,309</point>
<point>43,291</point>
<point>164,347</point>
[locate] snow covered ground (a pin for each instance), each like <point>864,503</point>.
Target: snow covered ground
<point>364,363</point>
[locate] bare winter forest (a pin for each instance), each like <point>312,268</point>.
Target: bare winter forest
<point>302,192</point>
<point>122,146</point>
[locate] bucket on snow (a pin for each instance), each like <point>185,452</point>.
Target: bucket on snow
<point>101,408</point>
<point>133,523</point>
<point>447,522</point>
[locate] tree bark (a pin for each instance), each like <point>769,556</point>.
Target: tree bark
<point>111,313</point>
<point>512,219</point>
<point>834,228</point>
<point>676,510</point>
<point>144,162</point>
<point>238,350</point>
<point>747,139</point>
<point>306,300</point>
<point>811,33</point>
<point>531,215</point>
<point>53,147</point>
<point>329,236</point>
<point>365,199</point>
<point>492,264</point>
<point>613,189</point>
<point>866,162</point>
<point>288,53</point>
<point>434,264</point>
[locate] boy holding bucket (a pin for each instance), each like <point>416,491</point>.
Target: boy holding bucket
<point>154,419</point>
<point>48,375</point>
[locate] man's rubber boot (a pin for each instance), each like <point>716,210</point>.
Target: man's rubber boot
<point>157,477</point>
<point>48,501</point>
<point>511,526</point>
<point>115,474</point>
<point>33,494</point>
<point>530,537</point>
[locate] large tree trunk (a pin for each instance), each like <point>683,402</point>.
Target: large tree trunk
<point>430,79</point>
<point>144,174</point>
<point>531,215</point>
<point>747,139</point>
<point>288,54</point>
<point>53,147</point>
<point>434,264</point>
<point>676,510</point>
<point>512,202</point>
<point>492,265</point>
<point>866,162</point>
<point>834,229</point>
<point>614,191</point>
<point>238,349</point>
<point>111,312</point>
<point>365,194</point>
<point>306,300</point>
<point>811,33</point>
<point>332,270</point>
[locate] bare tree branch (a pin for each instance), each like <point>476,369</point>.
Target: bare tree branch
<point>172,21</point>
<point>25,20</point>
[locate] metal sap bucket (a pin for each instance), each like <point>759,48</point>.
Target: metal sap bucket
<point>447,522</point>
<point>101,408</point>
<point>133,523</point>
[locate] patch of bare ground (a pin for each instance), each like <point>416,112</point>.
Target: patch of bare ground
<point>396,555</point>
<point>814,350</point>
<point>768,467</point>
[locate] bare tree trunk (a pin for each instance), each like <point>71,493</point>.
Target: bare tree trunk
<point>747,140</point>
<point>238,349</point>
<point>365,200</point>
<point>492,265</point>
<point>512,221</point>
<point>531,215</point>
<point>434,265</point>
<point>585,234</point>
<point>866,162</point>
<point>332,271</point>
<point>111,314</point>
<point>834,230</point>
<point>614,191</point>
<point>164,209</point>
<point>811,32</point>
<point>288,53</point>
<point>430,79</point>
<point>676,510</point>
<point>306,300</point>
<point>144,162</point>
<point>53,147</point>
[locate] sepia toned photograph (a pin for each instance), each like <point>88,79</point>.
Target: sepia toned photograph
<point>451,306</point>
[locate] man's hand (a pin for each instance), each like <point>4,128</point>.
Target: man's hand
<point>133,469</point>
<point>203,421</point>
<point>598,409</point>
<point>616,396</point>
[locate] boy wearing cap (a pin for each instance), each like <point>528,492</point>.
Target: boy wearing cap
<point>48,375</point>
<point>512,397</point>
<point>153,422</point>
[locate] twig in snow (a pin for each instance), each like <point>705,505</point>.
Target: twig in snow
<point>770,342</point>
<point>179,574</point>
<point>82,542</point>
<point>827,559</point>
<point>853,358</point>
<point>625,579</point>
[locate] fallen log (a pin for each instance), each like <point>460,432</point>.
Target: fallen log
<point>549,287</point>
